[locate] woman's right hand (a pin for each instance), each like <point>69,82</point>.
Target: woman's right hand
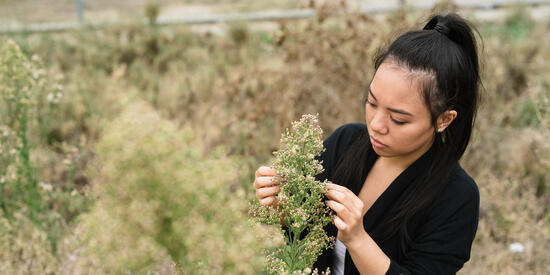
<point>266,186</point>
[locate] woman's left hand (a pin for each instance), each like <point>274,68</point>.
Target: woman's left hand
<point>349,210</point>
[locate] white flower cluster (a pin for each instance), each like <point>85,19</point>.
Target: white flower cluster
<point>301,200</point>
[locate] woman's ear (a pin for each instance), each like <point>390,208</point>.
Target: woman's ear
<point>445,119</point>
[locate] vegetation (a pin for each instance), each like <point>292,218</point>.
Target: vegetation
<point>161,206</point>
<point>300,209</point>
<point>116,140</point>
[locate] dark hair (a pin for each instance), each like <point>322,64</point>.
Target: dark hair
<point>445,50</point>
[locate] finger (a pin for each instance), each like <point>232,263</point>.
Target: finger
<point>260,182</point>
<point>344,195</point>
<point>267,191</point>
<point>265,171</point>
<point>339,223</point>
<point>333,186</point>
<point>340,209</point>
<point>350,201</point>
<point>336,195</point>
<point>268,201</point>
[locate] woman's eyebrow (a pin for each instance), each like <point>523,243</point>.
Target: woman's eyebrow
<point>370,92</point>
<point>400,111</point>
<point>390,109</point>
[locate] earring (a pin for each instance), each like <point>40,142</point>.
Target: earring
<point>439,130</point>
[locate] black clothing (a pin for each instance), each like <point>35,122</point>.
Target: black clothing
<point>441,240</point>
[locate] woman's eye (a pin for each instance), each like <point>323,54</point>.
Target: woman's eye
<point>370,103</point>
<point>397,121</point>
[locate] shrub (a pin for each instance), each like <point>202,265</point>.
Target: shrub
<point>161,205</point>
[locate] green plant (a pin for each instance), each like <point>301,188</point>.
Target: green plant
<point>301,200</point>
<point>162,205</point>
<point>27,106</point>
<point>30,96</point>
<point>16,88</point>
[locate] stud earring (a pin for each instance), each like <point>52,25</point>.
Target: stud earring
<point>439,130</point>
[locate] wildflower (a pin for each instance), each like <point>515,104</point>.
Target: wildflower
<point>300,200</point>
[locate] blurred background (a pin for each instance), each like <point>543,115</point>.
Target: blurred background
<point>130,130</point>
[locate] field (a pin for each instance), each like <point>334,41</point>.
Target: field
<point>132,149</point>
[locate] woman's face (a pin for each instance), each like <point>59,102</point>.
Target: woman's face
<point>397,117</point>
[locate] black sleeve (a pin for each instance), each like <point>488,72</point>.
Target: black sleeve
<point>442,245</point>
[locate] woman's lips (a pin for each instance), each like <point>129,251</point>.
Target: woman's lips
<point>377,143</point>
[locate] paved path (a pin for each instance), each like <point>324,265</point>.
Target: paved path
<point>209,16</point>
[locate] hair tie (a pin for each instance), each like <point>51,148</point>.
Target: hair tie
<point>442,29</point>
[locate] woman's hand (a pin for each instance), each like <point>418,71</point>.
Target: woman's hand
<point>349,210</point>
<point>266,186</point>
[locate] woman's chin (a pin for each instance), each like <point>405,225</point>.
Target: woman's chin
<point>383,152</point>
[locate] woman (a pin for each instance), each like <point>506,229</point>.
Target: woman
<point>403,204</point>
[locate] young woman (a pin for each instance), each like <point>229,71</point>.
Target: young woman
<point>403,203</point>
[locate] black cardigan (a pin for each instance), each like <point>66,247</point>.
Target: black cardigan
<point>441,241</point>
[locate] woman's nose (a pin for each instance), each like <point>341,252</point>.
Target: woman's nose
<point>378,124</point>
